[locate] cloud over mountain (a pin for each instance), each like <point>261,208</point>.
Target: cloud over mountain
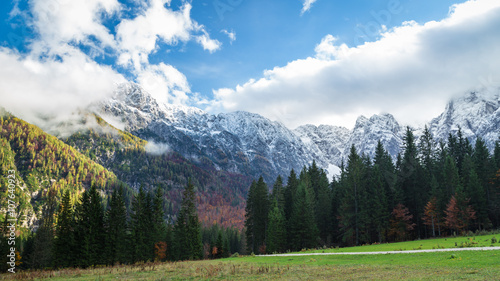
<point>412,71</point>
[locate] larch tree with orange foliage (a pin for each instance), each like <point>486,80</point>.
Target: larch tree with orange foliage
<point>431,216</point>
<point>401,223</point>
<point>458,214</point>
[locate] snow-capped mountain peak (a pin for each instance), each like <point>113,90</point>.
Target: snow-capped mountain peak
<point>251,144</point>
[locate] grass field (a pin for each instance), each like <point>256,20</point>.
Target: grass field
<point>426,244</point>
<point>467,265</point>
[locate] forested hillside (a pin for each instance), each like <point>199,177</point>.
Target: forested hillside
<point>221,195</point>
<point>43,164</point>
<point>433,189</point>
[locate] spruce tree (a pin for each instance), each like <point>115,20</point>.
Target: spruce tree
<point>279,193</point>
<point>276,230</point>
<point>64,243</point>
<point>187,228</point>
<point>250,218</point>
<point>140,227</point>
<point>378,206</point>
<point>323,208</point>
<point>291,188</point>
<point>43,242</point>
<point>89,230</point>
<point>303,229</point>
<point>116,229</point>
<point>350,221</point>
<point>158,222</point>
<point>256,216</point>
<point>410,173</point>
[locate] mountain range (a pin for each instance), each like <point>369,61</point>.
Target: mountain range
<point>252,145</point>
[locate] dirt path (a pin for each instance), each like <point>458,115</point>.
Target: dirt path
<point>386,252</point>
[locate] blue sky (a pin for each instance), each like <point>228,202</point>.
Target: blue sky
<point>224,55</point>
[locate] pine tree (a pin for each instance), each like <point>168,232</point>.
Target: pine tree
<point>303,230</point>
<point>64,243</point>
<point>276,231</point>
<point>257,215</point>
<point>187,228</point>
<point>279,193</point>
<point>89,230</point>
<point>323,208</point>
<point>43,242</point>
<point>485,171</point>
<point>475,191</point>
<point>290,190</point>
<point>219,246</point>
<point>250,219</point>
<point>410,173</point>
<point>350,221</point>
<point>158,222</point>
<point>116,229</point>
<point>378,206</point>
<point>387,171</point>
<point>140,227</point>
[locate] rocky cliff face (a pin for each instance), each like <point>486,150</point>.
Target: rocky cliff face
<point>238,142</point>
<point>476,113</point>
<point>253,145</point>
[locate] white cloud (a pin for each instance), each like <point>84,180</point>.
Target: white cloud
<point>49,91</point>
<point>62,22</point>
<point>56,77</point>
<point>165,83</point>
<point>306,6</point>
<point>230,34</point>
<point>208,44</point>
<point>139,37</point>
<point>412,71</point>
<point>157,148</point>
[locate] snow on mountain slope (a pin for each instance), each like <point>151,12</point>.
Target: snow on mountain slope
<point>325,142</point>
<point>253,145</point>
<point>333,143</point>
<point>240,142</point>
<point>476,113</point>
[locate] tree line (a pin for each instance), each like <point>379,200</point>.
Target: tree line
<point>432,189</point>
<point>87,234</point>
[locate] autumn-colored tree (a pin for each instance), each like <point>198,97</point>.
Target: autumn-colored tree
<point>431,216</point>
<point>400,223</point>
<point>160,251</point>
<point>458,214</point>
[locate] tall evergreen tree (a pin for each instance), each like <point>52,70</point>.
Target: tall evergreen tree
<point>414,194</point>
<point>187,228</point>
<point>250,218</point>
<point>64,243</point>
<point>485,171</point>
<point>43,242</point>
<point>157,217</point>
<point>323,208</point>
<point>140,227</point>
<point>257,205</point>
<point>350,221</point>
<point>378,206</point>
<point>276,231</point>
<point>89,229</point>
<point>475,192</point>
<point>116,229</point>
<point>303,230</point>
<point>279,193</point>
<point>290,189</point>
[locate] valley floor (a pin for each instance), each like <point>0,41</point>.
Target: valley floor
<point>477,263</point>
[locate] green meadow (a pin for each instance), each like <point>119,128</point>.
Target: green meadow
<point>456,265</point>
